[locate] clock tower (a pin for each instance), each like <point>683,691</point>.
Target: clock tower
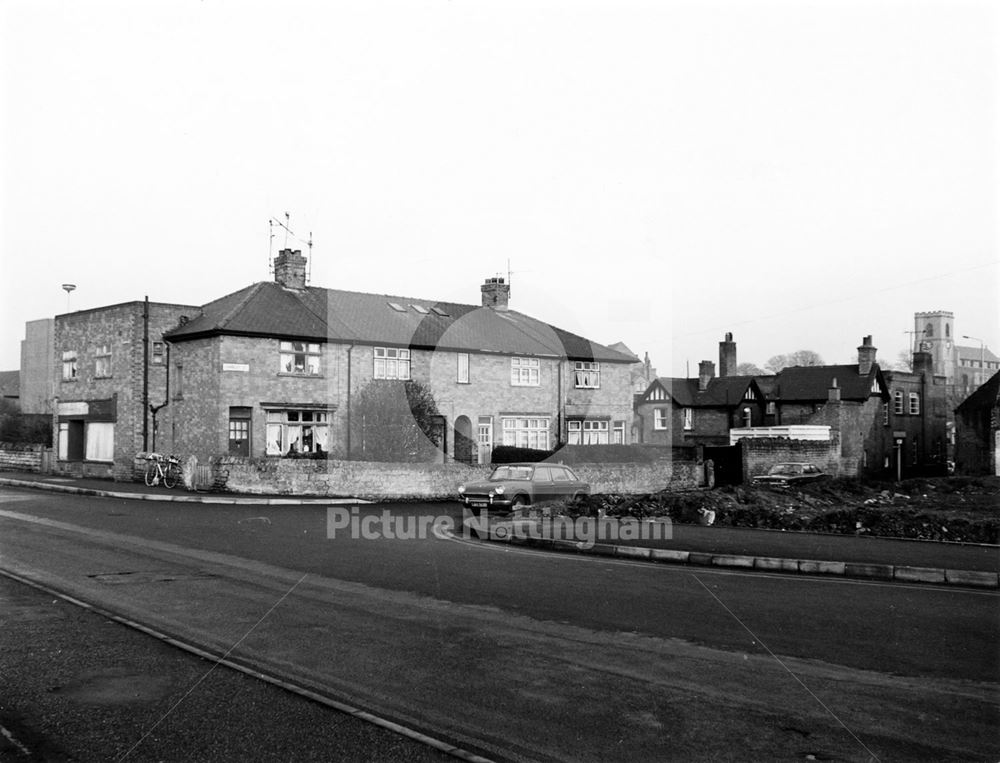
<point>934,332</point>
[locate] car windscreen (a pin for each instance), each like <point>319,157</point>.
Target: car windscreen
<point>785,469</point>
<point>503,473</point>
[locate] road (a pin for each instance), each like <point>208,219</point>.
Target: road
<point>516,654</point>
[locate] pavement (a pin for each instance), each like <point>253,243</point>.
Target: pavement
<point>884,559</point>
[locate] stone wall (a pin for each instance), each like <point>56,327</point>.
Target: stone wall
<point>23,458</point>
<point>387,481</point>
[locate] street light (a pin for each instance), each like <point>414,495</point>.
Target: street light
<point>982,356</point>
<point>68,287</point>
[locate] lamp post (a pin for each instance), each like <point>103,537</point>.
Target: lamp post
<point>982,357</point>
<point>68,287</point>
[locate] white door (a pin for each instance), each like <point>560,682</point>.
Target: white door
<point>485,439</point>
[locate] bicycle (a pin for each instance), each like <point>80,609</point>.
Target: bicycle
<point>165,469</point>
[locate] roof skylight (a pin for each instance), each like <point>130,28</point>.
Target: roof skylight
<point>420,309</point>
<point>397,307</point>
<point>439,311</point>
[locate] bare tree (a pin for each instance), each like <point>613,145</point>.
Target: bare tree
<point>749,369</point>
<point>798,358</point>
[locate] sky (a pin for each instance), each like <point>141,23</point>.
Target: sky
<point>802,174</point>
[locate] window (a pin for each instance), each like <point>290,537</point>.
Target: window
<point>100,441</point>
<point>291,432</point>
<point>159,353</point>
<point>178,382</point>
<point>885,413</point>
<point>688,416</point>
<point>463,368</point>
<point>929,330</point>
<point>588,432</point>
<point>524,372</point>
<point>102,361</point>
<point>660,418</point>
<point>420,309</point>
<point>526,432</point>
<point>298,358</point>
<point>69,366</point>
<point>914,403</point>
<point>391,363</point>
<point>588,375</point>
<point>618,435</point>
<point>772,408</point>
<point>397,307</point>
<point>897,402</point>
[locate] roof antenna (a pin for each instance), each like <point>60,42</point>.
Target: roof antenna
<point>309,262</point>
<point>270,245</point>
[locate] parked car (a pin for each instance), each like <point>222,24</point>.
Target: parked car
<point>791,473</point>
<point>513,485</point>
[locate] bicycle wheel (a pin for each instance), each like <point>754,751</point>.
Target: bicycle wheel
<point>151,476</point>
<point>172,475</point>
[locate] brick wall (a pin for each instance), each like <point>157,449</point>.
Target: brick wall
<point>760,454</point>
<point>383,481</point>
<point>22,458</point>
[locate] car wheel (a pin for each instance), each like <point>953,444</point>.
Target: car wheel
<point>519,501</point>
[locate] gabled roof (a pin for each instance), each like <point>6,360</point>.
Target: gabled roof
<point>812,383</point>
<point>976,353</point>
<point>267,309</point>
<point>721,392</point>
<point>987,396</point>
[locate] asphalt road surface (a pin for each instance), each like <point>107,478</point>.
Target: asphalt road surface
<point>515,654</point>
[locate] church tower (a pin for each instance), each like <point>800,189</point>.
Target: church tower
<point>934,332</point>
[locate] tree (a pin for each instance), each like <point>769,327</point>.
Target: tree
<point>749,369</point>
<point>798,358</point>
<point>393,421</point>
<point>904,362</point>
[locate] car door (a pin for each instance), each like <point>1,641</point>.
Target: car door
<point>541,484</point>
<point>562,483</point>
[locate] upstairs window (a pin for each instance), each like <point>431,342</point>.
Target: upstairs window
<point>102,361</point>
<point>463,368</point>
<point>298,358</point>
<point>391,363</point>
<point>897,402</point>
<point>688,417</point>
<point>524,372</point>
<point>914,403</point>
<point>660,418</point>
<point>588,375</point>
<point>69,369</point>
<point>159,353</point>
<point>885,413</point>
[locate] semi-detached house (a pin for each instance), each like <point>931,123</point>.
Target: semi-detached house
<point>274,369</point>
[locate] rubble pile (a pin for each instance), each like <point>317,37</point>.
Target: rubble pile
<point>953,508</point>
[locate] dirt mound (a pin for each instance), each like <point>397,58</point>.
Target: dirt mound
<point>952,508</point>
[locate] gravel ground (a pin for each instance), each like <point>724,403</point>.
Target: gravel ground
<point>75,686</point>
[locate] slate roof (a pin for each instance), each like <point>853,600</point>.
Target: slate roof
<point>268,309</point>
<point>811,383</point>
<point>721,392</point>
<point>975,353</point>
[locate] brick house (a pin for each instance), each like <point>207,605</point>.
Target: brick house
<point>103,384</point>
<point>680,411</point>
<point>851,399</point>
<point>977,430</point>
<point>918,413</point>
<point>274,369</point>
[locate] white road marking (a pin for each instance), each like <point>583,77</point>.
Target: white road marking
<point>14,741</point>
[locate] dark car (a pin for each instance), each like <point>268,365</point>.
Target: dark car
<point>791,473</point>
<point>514,485</point>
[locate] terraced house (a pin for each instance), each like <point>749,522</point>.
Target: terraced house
<point>275,369</point>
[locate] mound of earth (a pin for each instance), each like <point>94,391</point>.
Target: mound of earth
<point>949,508</point>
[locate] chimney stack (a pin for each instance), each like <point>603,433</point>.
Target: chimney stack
<point>833,394</point>
<point>923,363</point>
<point>496,293</point>
<point>706,372</point>
<point>290,269</point>
<point>866,356</point>
<point>727,356</point>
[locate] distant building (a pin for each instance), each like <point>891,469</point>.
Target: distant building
<point>10,383</point>
<point>919,415</point>
<point>962,365</point>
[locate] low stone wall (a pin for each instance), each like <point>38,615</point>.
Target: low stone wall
<point>389,481</point>
<point>23,458</point>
